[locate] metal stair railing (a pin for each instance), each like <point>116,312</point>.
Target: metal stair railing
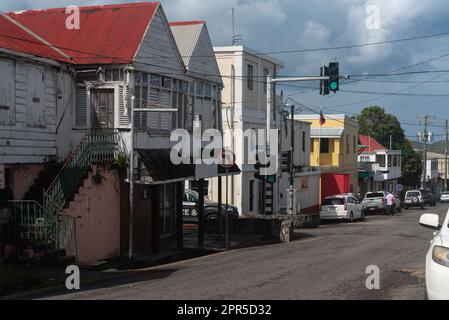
<point>31,221</point>
<point>97,147</point>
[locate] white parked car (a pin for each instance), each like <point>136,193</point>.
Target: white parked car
<point>444,197</point>
<point>437,260</point>
<point>342,206</point>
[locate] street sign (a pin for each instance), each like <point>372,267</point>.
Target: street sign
<point>2,176</point>
<point>399,187</point>
<point>226,158</point>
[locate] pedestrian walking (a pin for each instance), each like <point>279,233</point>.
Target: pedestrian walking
<point>390,203</point>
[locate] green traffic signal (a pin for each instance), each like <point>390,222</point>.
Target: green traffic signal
<point>271,179</point>
<point>333,85</point>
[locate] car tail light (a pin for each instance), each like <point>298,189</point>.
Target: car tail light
<point>383,201</point>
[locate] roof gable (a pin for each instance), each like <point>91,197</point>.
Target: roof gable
<point>195,46</point>
<point>109,34</point>
<point>372,144</point>
<point>158,51</point>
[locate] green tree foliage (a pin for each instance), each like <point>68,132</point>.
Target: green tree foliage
<point>375,122</point>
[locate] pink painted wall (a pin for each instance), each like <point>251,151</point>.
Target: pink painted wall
<point>97,209</point>
<point>23,178</point>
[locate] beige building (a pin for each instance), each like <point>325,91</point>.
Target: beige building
<point>244,107</point>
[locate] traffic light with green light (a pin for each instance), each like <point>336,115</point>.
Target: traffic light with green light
<point>334,76</point>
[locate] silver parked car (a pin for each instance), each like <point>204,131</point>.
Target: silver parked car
<point>444,197</point>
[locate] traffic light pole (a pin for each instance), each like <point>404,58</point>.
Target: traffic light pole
<point>270,82</point>
<point>292,149</point>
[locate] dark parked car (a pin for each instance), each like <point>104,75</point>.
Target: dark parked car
<point>190,208</point>
<point>429,198</point>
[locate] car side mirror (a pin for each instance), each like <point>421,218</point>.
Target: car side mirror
<point>431,221</point>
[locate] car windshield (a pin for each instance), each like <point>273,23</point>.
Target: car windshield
<point>445,193</point>
<point>374,195</point>
<point>333,202</point>
<point>413,194</point>
<point>196,195</point>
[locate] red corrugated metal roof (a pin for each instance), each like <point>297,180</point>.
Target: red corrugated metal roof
<point>186,23</point>
<point>13,37</point>
<point>372,145</point>
<point>108,34</point>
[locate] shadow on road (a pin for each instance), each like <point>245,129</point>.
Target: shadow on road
<point>116,279</point>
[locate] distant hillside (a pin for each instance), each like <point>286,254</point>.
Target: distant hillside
<point>437,147</point>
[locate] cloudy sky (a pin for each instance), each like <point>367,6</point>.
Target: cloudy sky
<point>278,25</point>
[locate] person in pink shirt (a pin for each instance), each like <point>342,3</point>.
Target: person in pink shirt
<point>390,203</point>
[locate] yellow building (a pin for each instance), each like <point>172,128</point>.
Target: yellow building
<point>334,150</point>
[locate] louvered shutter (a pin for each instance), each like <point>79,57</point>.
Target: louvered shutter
<point>153,117</point>
<point>165,116</point>
<point>124,102</point>
<point>144,98</point>
<point>207,113</point>
<point>81,106</point>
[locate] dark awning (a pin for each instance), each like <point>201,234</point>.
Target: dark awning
<point>234,170</point>
<point>161,168</point>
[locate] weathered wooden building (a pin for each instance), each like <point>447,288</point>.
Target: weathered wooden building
<point>122,58</point>
<point>36,96</point>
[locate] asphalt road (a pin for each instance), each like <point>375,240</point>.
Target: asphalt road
<point>325,263</point>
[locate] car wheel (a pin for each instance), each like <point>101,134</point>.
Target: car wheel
<point>406,208</point>
<point>212,217</point>
<point>363,217</point>
<point>351,217</point>
<point>422,207</point>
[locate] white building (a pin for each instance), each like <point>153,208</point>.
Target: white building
<point>244,73</point>
<point>379,168</point>
<point>244,97</point>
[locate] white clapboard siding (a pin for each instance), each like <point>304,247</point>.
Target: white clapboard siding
<point>32,90</point>
<point>7,93</point>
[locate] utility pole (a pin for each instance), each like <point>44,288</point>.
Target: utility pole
<point>292,149</point>
<point>445,155</point>
<point>425,138</point>
<point>131,184</point>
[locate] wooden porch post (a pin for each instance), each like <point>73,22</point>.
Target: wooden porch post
<point>201,213</point>
<point>155,220</point>
<point>179,216</point>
